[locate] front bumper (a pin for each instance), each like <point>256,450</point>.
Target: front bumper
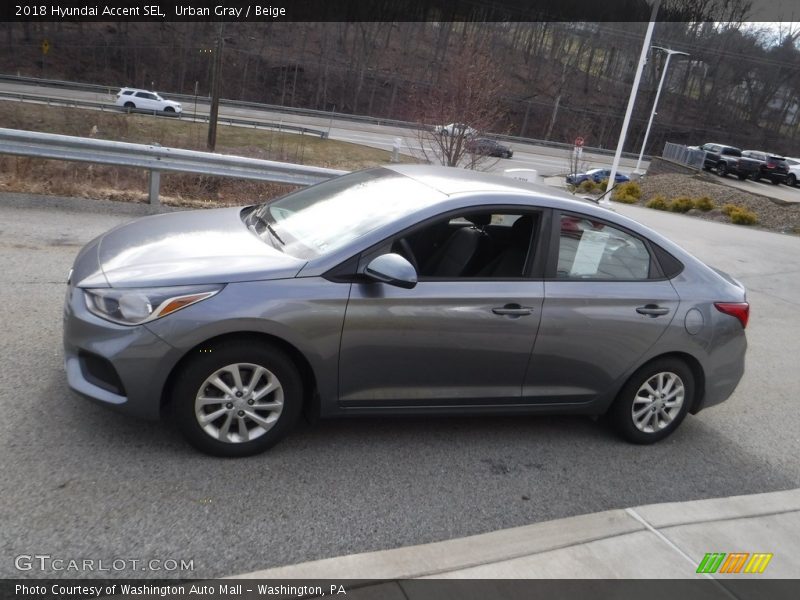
<point>122,367</point>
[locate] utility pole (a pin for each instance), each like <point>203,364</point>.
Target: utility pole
<point>216,76</point>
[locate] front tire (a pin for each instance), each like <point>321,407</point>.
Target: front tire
<point>235,399</point>
<point>654,401</point>
<point>722,169</point>
<point>791,180</point>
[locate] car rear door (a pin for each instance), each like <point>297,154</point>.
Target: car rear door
<point>606,304</point>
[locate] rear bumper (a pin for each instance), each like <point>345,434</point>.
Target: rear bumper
<point>724,371</point>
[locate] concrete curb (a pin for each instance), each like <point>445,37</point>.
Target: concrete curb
<point>653,541</point>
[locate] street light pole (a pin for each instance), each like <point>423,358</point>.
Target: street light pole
<point>655,102</point>
<point>632,98</point>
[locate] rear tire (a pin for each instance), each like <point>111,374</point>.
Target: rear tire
<point>237,399</point>
<point>654,401</point>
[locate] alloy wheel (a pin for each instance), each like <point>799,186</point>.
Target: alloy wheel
<point>239,403</point>
<point>658,402</point>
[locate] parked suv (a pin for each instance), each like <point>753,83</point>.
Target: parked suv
<point>728,159</point>
<point>771,166</point>
<point>132,98</point>
<point>794,171</point>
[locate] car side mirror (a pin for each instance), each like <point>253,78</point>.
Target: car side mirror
<point>392,269</point>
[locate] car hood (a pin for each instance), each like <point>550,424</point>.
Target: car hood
<point>182,248</point>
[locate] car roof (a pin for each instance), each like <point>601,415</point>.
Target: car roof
<point>130,89</point>
<point>453,181</point>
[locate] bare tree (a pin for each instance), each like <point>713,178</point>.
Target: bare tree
<point>468,94</point>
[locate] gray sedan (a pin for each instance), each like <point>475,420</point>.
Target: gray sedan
<point>403,290</point>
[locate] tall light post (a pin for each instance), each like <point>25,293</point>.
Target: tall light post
<point>632,98</point>
<point>658,95</point>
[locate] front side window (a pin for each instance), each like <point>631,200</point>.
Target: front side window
<point>590,249</point>
<point>475,244</point>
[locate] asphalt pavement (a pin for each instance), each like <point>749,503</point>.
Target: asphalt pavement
<point>78,481</point>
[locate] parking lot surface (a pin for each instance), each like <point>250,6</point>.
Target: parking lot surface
<point>80,482</point>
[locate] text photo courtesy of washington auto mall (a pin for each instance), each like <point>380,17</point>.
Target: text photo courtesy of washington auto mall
<point>399,299</point>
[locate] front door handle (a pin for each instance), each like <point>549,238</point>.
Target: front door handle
<point>652,310</point>
<point>513,310</point>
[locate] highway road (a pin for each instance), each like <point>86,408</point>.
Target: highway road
<point>79,481</point>
<point>545,160</point>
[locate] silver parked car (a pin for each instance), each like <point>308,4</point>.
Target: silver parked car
<point>403,290</point>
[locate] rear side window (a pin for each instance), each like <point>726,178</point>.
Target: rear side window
<point>731,152</point>
<point>590,249</point>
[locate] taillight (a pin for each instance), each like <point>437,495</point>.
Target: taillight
<point>740,310</point>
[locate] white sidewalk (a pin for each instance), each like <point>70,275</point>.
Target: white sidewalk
<point>648,542</point>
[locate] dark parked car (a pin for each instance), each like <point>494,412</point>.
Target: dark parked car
<point>728,159</point>
<point>458,292</point>
<point>488,147</point>
<point>771,166</point>
<point>596,175</point>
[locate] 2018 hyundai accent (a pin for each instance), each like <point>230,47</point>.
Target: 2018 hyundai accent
<point>402,290</point>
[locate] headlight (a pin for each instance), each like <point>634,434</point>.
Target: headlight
<point>137,306</point>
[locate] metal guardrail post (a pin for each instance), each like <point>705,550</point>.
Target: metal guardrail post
<point>154,187</point>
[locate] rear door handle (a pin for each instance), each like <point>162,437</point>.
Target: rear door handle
<point>652,310</point>
<point>513,310</point>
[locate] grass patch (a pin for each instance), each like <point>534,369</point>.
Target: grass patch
<point>658,203</point>
<point>588,186</point>
<point>681,204</point>
<point>742,216</point>
<point>704,203</point>
<point>628,193</point>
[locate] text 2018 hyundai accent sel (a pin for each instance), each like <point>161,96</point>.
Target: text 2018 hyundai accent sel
<point>403,290</point>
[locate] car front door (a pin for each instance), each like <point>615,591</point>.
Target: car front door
<point>458,340</point>
<point>606,304</point>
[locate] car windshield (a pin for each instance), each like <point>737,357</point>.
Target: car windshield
<point>322,218</point>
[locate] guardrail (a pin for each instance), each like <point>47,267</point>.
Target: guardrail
<point>308,112</point>
<point>182,115</point>
<point>156,159</point>
<point>691,157</point>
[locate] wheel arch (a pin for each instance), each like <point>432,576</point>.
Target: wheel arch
<point>690,361</point>
<point>310,396</point>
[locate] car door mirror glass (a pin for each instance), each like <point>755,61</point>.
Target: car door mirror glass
<point>392,269</point>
